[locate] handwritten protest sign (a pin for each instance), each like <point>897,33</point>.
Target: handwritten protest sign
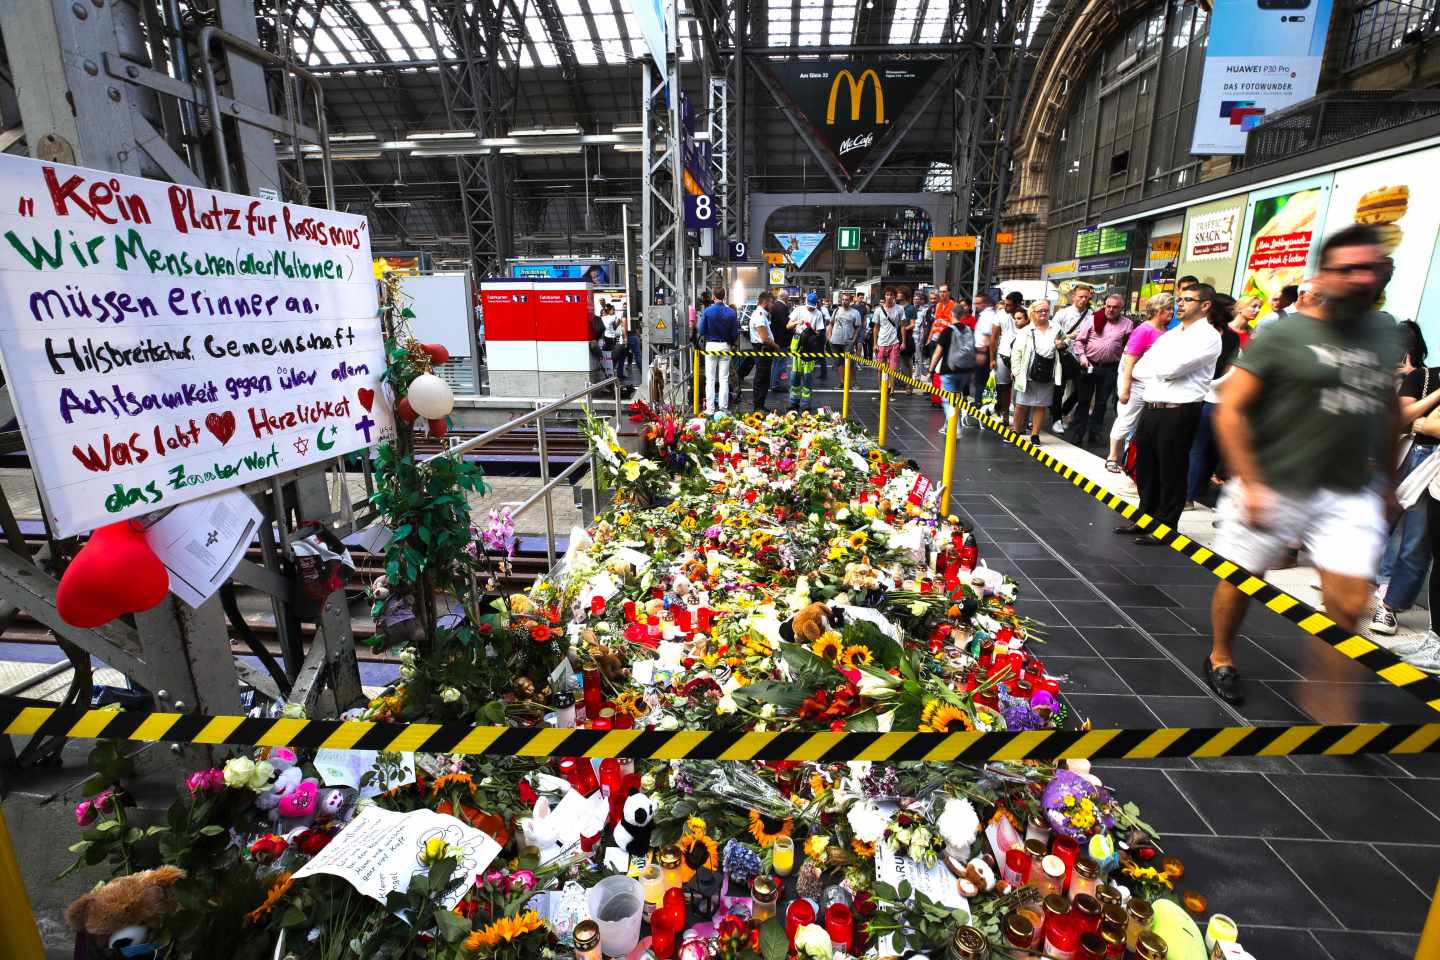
<point>380,850</point>
<point>165,342</point>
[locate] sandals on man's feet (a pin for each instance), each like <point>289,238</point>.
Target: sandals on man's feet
<point>1112,466</point>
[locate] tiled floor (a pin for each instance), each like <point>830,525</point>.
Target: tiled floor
<point>1324,857</point>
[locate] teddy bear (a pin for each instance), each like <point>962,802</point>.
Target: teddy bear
<point>288,777</point>
<point>812,621</point>
<point>122,911</point>
<point>977,877</point>
<point>637,816</point>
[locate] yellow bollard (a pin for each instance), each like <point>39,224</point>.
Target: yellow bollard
<point>698,358</point>
<point>19,937</point>
<point>884,404</point>
<point>947,475</point>
<point>845,391</point>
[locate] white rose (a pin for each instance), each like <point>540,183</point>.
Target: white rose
<point>246,773</point>
<point>726,705</point>
<point>866,821</point>
<point>768,711</point>
<point>958,824</point>
<point>811,941</point>
<point>449,695</point>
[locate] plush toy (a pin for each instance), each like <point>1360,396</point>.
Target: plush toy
<point>334,802</point>
<point>977,877</point>
<point>812,621</point>
<point>284,784</point>
<point>122,911</point>
<point>115,573</point>
<point>298,808</point>
<point>632,833</point>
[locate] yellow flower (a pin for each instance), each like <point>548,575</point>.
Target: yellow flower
<point>504,930</point>
<point>837,552</point>
<point>520,604</point>
<point>454,780</point>
<point>941,717</point>
<point>827,647</point>
<point>278,889</point>
<point>819,468</point>
<point>855,655</point>
<point>858,539</point>
<point>816,846</point>
<point>765,829</point>
<point>866,850</point>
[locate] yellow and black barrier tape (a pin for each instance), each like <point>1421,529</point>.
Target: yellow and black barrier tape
<point>965,747</point>
<point>1362,650</point>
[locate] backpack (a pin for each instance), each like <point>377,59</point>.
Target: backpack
<point>960,355</point>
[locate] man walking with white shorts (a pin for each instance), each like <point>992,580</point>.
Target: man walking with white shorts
<point>1307,413</point>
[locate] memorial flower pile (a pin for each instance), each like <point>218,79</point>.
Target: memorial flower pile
<point>765,574</point>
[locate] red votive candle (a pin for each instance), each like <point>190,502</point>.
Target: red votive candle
<point>840,925</point>
<point>1068,850</point>
<point>593,697</point>
<point>662,941</point>
<point>597,605</point>
<point>703,615</point>
<point>1017,866</point>
<point>797,915</point>
<point>682,618</point>
<point>629,611</point>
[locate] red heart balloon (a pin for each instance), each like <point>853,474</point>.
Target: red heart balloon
<point>115,572</point>
<point>438,353</point>
<point>438,429</point>
<point>404,411</point>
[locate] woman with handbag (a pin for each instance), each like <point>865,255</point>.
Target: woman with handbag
<point>1407,555</point>
<point>1130,392</point>
<point>1012,322</point>
<point>1035,369</point>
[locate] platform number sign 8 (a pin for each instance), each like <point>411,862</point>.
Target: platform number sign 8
<point>738,251</point>
<point>699,211</point>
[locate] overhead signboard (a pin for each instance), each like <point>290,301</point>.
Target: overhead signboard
<point>596,273</point>
<point>1210,242</point>
<point>777,276</point>
<point>952,244</point>
<point>799,246</point>
<point>850,105</point>
<point>738,251</point>
<point>1004,238</point>
<point>654,27</point>
<point>163,342</point>
<point>1087,241</point>
<point>847,238</point>
<point>1260,57</point>
<point>776,258</point>
<point>1113,240</point>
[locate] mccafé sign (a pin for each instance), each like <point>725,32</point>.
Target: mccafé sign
<point>845,101</point>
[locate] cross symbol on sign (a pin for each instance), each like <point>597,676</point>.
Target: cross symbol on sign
<point>365,423</point>
<point>213,539</point>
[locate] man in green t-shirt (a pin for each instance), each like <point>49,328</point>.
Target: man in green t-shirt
<point>1304,419</point>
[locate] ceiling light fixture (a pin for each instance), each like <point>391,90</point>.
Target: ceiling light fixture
<point>441,135</point>
<point>628,128</point>
<point>546,132</point>
<point>348,137</point>
<point>540,151</point>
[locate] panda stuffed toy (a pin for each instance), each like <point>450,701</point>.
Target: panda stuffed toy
<point>637,816</point>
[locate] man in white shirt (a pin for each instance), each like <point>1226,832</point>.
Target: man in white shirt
<point>761,338</point>
<point>1067,321</point>
<point>845,325</point>
<point>1177,371</point>
<point>987,327</point>
<point>888,320</point>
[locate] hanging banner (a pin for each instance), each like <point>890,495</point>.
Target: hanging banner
<point>851,104</point>
<point>654,27</point>
<point>163,343</point>
<point>799,246</point>
<point>1400,197</point>
<point>1210,242</point>
<point>1282,232</point>
<point>1259,58</point>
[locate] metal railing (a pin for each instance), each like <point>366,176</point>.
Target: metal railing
<point>547,482</point>
<point>1382,27</point>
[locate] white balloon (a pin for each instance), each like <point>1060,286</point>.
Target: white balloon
<point>431,397</point>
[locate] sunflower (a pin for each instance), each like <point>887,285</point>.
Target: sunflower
<point>698,849</point>
<point>454,780</point>
<point>941,717</point>
<point>865,850</point>
<point>858,539</point>
<point>278,889</point>
<point>816,845</point>
<point>504,930</point>
<point>855,655</point>
<point>765,829</point>
<point>827,646</point>
<point>628,702</point>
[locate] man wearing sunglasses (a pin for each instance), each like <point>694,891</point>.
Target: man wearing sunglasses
<point>1305,417</point>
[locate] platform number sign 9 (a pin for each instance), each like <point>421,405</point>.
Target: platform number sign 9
<point>739,251</point>
<point>699,211</point>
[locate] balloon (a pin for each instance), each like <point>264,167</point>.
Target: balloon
<point>115,572</point>
<point>438,429</point>
<point>430,396</point>
<point>438,353</point>
<point>405,412</point>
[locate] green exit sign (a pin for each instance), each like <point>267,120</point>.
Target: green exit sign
<point>848,238</point>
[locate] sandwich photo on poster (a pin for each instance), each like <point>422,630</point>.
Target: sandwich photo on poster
<point>1282,226</point>
<point>1400,197</point>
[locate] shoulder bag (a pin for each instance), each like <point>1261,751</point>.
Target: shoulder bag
<point>1070,368</point>
<point>1042,369</point>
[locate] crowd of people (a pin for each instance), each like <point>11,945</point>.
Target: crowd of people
<point>1279,417</point>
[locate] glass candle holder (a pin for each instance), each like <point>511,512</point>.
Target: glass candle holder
<point>1038,829</point>
<point>670,858</point>
<point>1140,915</point>
<point>798,914</point>
<point>1084,876</point>
<point>1068,850</point>
<point>840,924</point>
<point>594,698</point>
<point>587,940</point>
<point>564,705</point>
<point>616,905</point>
<point>1087,909</point>
<point>764,898</point>
<point>782,854</point>
<point>652,882</point>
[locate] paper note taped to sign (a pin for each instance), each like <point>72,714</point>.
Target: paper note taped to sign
<point>380,850</point>
<point>163,342</point>
<point>202,542</point>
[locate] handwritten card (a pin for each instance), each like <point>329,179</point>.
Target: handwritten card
<point>346,768</point>
<point>381,850</point>
<point>164,342</point>
<point>936,882</point>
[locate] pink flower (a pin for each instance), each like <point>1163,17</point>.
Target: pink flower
<point>522,880</point>
<point>84,813</point>
<point>206,781</point>
<point>495,878</point>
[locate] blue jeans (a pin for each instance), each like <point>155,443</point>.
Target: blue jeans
<point>1407,554</point>
<point>955,383</point>
<point>1205,457</point>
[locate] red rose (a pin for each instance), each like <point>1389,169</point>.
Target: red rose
<point>313,841</point>
<point>268,847</point>
<point>527,794</point>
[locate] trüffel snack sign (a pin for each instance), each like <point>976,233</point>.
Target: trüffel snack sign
<point>164,342</point>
